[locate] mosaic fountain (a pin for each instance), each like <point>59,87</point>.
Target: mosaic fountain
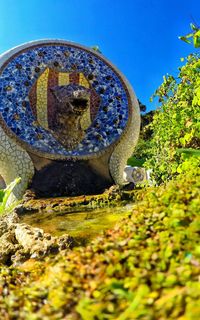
<point>69,121</point>
<point>62,103</point>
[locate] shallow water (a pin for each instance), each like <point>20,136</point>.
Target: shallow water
<point>83,225</point>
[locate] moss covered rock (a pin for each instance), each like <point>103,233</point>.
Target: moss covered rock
<point>147,267</point>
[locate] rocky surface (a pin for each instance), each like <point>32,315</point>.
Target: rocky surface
<point>20,241</point>
<point>111,197</point>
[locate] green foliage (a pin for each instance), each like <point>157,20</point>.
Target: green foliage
<point>5,194</point>
<point>193,37</point>
<point>176,124</point>
<point>147,267</point>
<point>96,48</point>
<point>134,162</point>
<point>141,151</point>
<point>142,106</point>
<point>189,152</point>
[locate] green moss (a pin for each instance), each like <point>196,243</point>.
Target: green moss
<point>83,224</point>
<point>147,267</point>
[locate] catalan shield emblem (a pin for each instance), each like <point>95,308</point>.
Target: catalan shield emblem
<point>42,100</point>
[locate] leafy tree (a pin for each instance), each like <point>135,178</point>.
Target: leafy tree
<point>142,150</point>
<point>142,106</point>
<point>176,124</point>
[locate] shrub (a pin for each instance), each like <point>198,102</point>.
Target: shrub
<point>147,267</point>
<point>176,124</point>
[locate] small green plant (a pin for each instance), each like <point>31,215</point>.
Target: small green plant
<point>5,194</point>
<point>96,48</point>
<point>193,36</point>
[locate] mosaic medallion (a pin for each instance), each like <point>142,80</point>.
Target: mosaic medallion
<point>36,82</point>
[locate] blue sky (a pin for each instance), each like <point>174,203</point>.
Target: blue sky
<point>139,36</point>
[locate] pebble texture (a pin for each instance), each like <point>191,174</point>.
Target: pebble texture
<point>20,241</point>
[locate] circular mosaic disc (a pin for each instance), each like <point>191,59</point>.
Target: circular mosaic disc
<point>27,75</point>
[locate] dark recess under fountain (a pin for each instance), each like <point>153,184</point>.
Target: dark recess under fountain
<point>69,178</point>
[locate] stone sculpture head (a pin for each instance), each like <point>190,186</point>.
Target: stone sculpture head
<point>72,99</point>
<point>71,102</point>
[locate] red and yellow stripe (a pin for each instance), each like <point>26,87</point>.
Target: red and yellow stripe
<point>42,100</point>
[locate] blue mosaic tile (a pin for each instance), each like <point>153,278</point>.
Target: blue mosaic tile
<point>19,75</point>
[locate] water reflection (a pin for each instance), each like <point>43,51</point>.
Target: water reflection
<point>83,225</point>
